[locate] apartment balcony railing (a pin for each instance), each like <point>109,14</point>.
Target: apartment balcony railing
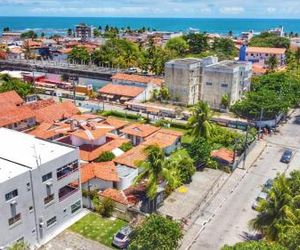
<point>48,199</point>
<point>66,192</point>
<point>67,170</point>
<point>14,219</point>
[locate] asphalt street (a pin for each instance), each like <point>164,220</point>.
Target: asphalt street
<point>230,222</point>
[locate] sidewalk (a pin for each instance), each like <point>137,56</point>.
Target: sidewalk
<point>206,213</point>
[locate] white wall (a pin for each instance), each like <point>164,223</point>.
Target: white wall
<point>76,141</point>
<point>126,182</point>
<point>97,184</point>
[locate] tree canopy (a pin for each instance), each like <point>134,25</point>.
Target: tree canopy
<point>8,83</point>
<point>267,39</point>
<point>79,55</point>
<point>29,35</point>
<point>157,233</point>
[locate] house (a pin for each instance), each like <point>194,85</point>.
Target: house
<point>13,114</point>
<point>39,185</point>
<point>99,176</point>
<point>223,156</point>
<point>168,140</point>
<point>137,133</point>
<point>261,55</point>
<point>118,124</point>
<point>117,196</point>
<point>126,87</point>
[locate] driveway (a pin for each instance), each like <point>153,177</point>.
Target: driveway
<point>68,240</point>
<point>184,201</point>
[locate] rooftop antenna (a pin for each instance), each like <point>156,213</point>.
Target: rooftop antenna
<point>37,159</point>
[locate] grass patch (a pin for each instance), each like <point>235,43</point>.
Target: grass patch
<point>97,228</point>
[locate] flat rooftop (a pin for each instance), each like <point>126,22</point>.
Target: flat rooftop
<point>185,61</point>
<point>24,149</point>
<point>9,170</point>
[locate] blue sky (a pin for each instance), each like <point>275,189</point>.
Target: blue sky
<point>153,8</point>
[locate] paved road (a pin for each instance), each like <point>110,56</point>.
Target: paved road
<point>230,222</point>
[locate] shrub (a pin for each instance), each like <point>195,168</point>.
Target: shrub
<point>107,207</point>
<point>105,156</point>
<point>185,169</point>
<point>126,146</point>
<point>178,125</point>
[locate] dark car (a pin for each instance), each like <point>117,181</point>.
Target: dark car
<point>287,156</point>
<point>122,237</point>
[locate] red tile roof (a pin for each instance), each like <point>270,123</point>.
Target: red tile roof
<point>223,154</point>
<point>106,171</point>
<point>121,90</point>
<point>132,157</point>
<point>40,104</point>
<point>265,50</point>
<point>116,123</point>
<point>141,130</point>
<point>56,112</point>
<point>11,115</point>
<point>10,97</point>
<point>92,134</point>
<point>115,195</point>
<point>45,131</point>
<point>163,138</point>
<point>138,78</point>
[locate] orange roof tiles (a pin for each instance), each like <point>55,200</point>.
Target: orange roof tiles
<point>45,131</point>
<point>92,134</point>
<point>106,171</point>
<point>162,138</point>
<point>141,130</point>
<point>90,153</point>
<point>40,104</point>
<point>121,90</point>
<point>265,50</point>
<point>138,78</point>
<point>115,195</point>
<point>132,157</point>
<point>56,112</point>
<point>10,97</point>
<point>257,69</point>
<point>223,154</point>
<point>116,123</point>
<point>13,115</point>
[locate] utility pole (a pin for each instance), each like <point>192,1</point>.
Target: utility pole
<point>260,122</point>
<point>246,146</point>
<point>73,78</point>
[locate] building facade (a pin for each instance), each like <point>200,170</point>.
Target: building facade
<point>183,78</point>
<point>39,186</point>
<point>225,78</point>
<point>84,32</point>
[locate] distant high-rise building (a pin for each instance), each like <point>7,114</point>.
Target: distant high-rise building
<point>84,32</point>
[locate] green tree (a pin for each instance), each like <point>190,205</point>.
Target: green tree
<point>10,83</point>
<point>272,63</point>
<point>224,47</point>
<point>107,207</point>
<point>185,168</point>
<point>157,233</point>
<point>200,120</point>
<point>225,101</point>
<point>266,39</point>
<point>5,29</point>
<point>254,245</point>
<point>297,57</point>
<point>198,43</point>
<point>178,44</point>
<point>126,146</point>
<point>79,55</point>
<point>199,150</point>
<point>29,35</point>
<point>105,156</point>
<point>155,169</point>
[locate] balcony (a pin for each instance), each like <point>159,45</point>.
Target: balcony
<point>67,170</point>
<point>14,219</point>
<point>66,192</point>
<point>48,199</point>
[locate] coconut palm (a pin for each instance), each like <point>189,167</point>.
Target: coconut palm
<point>155,169</point>
<point>275,210</point>
<point>200,120</point>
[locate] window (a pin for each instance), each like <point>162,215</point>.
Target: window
<point>11,195</point>
<point>76,206</point>
<point>67,169</point>
<point>51,221</point>
<point>31,209</point>
<point>224,85</point>
<point>28,186</point>
<point>209,83</point>
<point>47,177</point>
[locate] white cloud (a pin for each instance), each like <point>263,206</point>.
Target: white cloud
<point>271,10</point>
<point>234,10</point>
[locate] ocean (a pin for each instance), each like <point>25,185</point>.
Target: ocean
<point>59,25</point>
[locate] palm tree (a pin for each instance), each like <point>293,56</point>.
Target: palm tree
<point>272,63</point>
<point>200,120</point>
<point>155,170</point>
<point>275,210</point>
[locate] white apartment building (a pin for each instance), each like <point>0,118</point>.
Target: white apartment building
<point>225,78</point>
<point>40,189</point>
<point>84,32</point>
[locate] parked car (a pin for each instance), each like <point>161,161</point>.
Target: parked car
<point>261,196</point>
<point>286,156</point>
<point>122,237</point>
<point>268,185</point>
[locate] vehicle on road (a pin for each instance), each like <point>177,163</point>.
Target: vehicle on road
<point>268,185</point>
<point>286,156</point>
<point>122,237</point>
<point>261,196</point>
